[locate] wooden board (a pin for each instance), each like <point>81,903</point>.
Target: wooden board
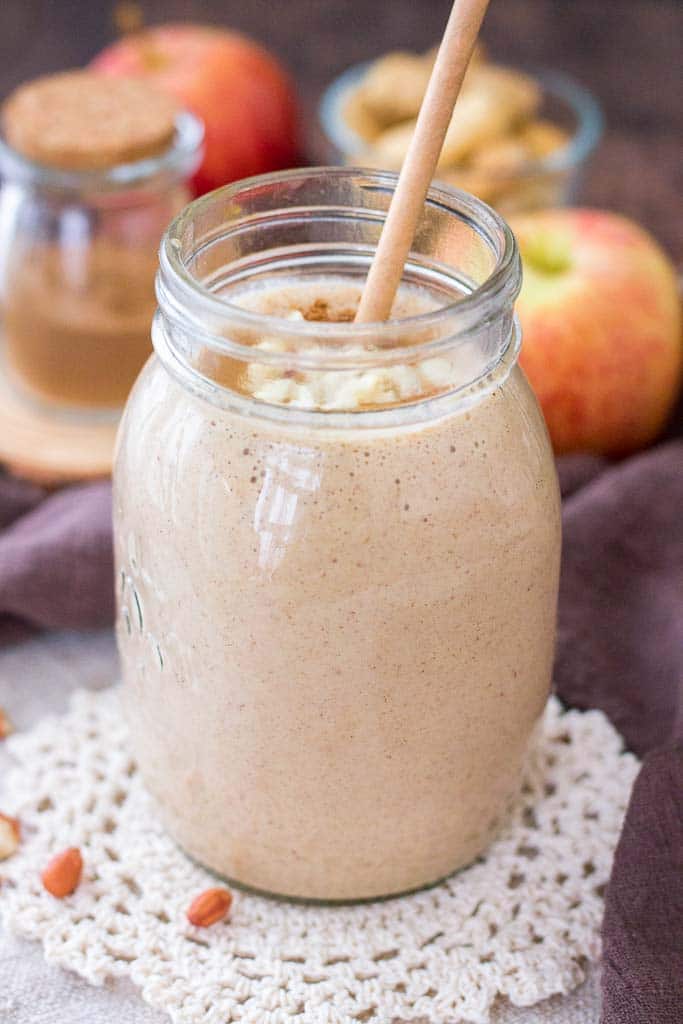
<point>50,446</point>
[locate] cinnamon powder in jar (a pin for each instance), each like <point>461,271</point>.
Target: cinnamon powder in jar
<point>77,284</point>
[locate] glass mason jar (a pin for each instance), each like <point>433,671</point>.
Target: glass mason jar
<point>336,624</point>
<point>78,257</point>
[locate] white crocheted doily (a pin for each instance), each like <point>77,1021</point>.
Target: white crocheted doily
<point>519,923</point>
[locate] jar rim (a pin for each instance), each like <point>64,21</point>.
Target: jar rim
<point>180,159</point>
<point>178,290</point>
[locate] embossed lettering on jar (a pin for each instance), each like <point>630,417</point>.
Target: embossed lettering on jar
<point>337,544</point>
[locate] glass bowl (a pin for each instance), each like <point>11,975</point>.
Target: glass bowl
<point>553,180</point>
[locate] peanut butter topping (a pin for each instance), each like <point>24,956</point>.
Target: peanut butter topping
<point>80,121</point>
<point>349,389</point>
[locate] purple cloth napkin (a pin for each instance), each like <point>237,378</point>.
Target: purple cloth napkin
<point>642,963</point>
<point>56,563</point>
<point>620,648</point>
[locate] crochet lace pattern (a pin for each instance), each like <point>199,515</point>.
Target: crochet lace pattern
<point>521,923</point>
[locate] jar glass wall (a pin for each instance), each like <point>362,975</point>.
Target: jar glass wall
<point>336,615</point>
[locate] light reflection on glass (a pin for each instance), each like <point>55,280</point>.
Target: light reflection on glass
<point>290,472</point>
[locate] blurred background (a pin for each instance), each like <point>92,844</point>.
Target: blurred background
<point>626,52</point>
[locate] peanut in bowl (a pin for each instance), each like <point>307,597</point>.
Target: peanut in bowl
<point>518,141</point>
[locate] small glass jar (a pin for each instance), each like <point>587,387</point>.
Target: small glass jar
<point>77,266</point>
<point>336,625</point>
<point>551,180</point>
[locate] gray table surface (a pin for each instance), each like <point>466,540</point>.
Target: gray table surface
<point>36,678</point>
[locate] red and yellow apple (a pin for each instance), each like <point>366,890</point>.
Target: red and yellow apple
<point>601,328</point>
<point>239,90</point>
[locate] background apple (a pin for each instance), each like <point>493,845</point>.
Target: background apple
<point>240,91</point>
<point>601,323</point>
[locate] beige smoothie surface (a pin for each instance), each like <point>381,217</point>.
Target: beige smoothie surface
<point>335,642</point>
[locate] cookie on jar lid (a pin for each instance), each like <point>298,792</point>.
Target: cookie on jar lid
<point>81,121</point>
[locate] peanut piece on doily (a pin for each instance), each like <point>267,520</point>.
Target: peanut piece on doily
<point>10,834</point>
<point>210,906</point>
<point>63,873</point>
<point>6,726</point>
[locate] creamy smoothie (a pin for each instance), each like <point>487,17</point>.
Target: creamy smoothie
<point>335,640</point>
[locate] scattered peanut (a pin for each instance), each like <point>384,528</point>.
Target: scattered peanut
<point>63,873</point>
<point>10,834</point>
<point>210,906</point>
<point>5,725</point>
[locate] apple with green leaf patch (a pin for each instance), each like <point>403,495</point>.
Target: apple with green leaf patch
<point>601,328</point>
